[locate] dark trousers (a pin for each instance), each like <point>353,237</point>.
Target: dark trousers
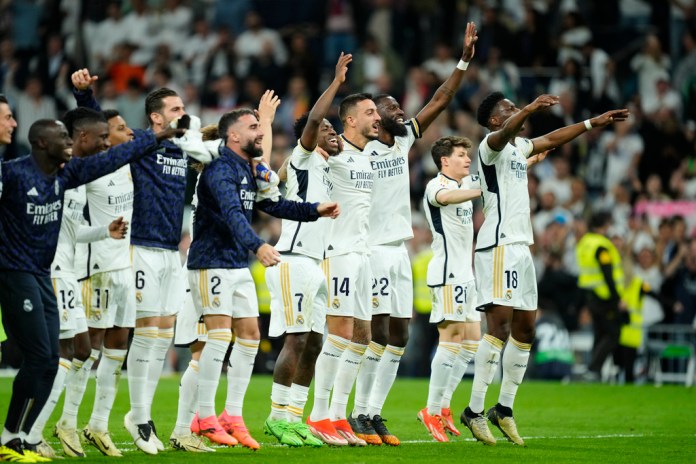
<point>606,325</point>
<point>625,358</point>
<point>30,317</point>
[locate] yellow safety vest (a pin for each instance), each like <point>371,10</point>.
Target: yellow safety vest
<point>258,273</point>
<point>632,333</point>
<point>422,301</point>
<point>591,276</point>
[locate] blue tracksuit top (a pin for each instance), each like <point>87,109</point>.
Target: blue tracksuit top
<point>222,232</point>
<point>159,191</point>
<point>31,202</point>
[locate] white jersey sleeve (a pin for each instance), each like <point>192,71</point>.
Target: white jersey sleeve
<point>506,210</point>
<point>308,180</point>
<point>353,179</point>
<point>390,215</point>
<point>453,233</point>
<point>63,264</point>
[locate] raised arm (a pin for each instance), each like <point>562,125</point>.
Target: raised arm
<point>82,82</point>
<point>266,112</point>
<point>512,125</point>
<point>568,133</point>
<point>321,107</point>
<point>445,93</point>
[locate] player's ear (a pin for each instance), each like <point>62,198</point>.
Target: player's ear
<point>156,118</point>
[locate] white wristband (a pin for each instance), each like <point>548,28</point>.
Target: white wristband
<point>462,65</point>
<point>588,124</point>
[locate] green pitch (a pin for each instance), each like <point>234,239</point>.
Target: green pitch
<point>560,423</point>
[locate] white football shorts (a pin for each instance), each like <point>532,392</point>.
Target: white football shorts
<point>505,276</point>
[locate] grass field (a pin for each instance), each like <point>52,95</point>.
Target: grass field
<point>560,423</point>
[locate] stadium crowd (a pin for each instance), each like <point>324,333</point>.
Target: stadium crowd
<point>595,56</point>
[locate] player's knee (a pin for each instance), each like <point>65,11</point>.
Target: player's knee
<point>380,336</point>
<point>296,342</point>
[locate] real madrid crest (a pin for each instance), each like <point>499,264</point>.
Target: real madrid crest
<point>216,302</point>
<point>460,310</point>
<point>375,302</point>
<point>336,303</point>
<point>299,320</point>
<point>508,294</point>
<point>139,297</point>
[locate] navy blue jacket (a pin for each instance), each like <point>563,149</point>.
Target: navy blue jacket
<point>159,191</point>
<point>222,233</point>
<point>31,203</point>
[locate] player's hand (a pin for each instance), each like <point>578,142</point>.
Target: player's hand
<point>324,154</point>
<point>118,228</point>
<point>542,102</point>
<point>268,105</point>
<point>267,255</point>
<point>470,38</point>
<point>331,210</point>
<point>342,67</point>
<point>82,80</point>
<point>169,133</point>
<point>609,117</point>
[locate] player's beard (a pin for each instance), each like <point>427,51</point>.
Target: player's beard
<point>394,128</point>
<point>252,150</point>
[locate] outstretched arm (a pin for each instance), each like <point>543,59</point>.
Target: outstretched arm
<point>455,196</point>
<point>568,133</point>
<point>445,93</point>
<point>321,107</point>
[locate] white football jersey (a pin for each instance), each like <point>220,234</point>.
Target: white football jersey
<point>308,180</point>
<point>108,198</point>
<point>390,216</point>
<point>503,176</point>
<point>453,232</point>
<point>352,177</point>
<point>63,264</point>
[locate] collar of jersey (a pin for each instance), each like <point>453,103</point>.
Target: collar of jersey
<point>232,155</point>
<point>351,143</point>
<point>459,182</point>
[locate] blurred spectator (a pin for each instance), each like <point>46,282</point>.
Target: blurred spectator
<point>685,74</point>
<point>295,103</point>
<point>105,36</point>
<point>131,105</point>
<point>340,28</point>
<point>49,62</point>
<point>376,69</point>
<point>606,93</point>
<point>574,35</point>
<point>164,62</point>
<point>122,70</point>
<point>572,81</point>
<point>646,266</point>
<point>560,182</point>
<point>685,287</point>
<point>499,74</point>
<point>31,105</point>
<point>622,149</point>
<point>441,63</point>
<point>140,28</point>
<point>650,64</point>
<point>664,98</point>
<point>302,62</point>
<point>174,18</point>
<point>256,42</point>
<point>198,47</point>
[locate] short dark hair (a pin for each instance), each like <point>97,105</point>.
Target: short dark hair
<point>3,99</point>
<point>485,109</point>
<point>80,118</point>
<point>599,220</point>
<point>444,147</point>
<point>378,98</point>
<point>228,119</point>
<point>350,102</point>
<point>300,124</point>
<point>109,114</point>
<point>38,128</point>
<point>154,102</point>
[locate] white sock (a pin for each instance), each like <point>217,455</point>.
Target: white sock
<point>345,377</point>
<point>280,398</point>
<point>75,387</point>
<point>486,364</point>
<point>188,399</point>
<point>36,433</point>
<point>515,360</point>
<point>209,367</point>
<point>138,364</point>
<point>386,374</point>
<point>298,399</point>
<point>467,351</point>
<point>325,374</point>
<point>157,360</point>
<point>440,373</point>
<point>108,376</point>
<point>366,377</point>
<point>239,374</point>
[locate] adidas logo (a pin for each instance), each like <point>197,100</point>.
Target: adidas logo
<point>57,268</point>
<point>112,184</point>
<point>244,181</point>
<point>299,244</point>
<point>502,235</point>
<point>350,159</point>
<point>451,276</point>
<point>96,266</point>
<point>374,153</point>
<point>33,192</point>
<point>330,247</point>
